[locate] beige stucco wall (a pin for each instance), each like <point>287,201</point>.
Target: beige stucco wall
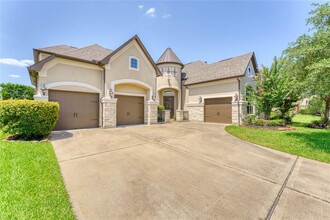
<point>247,80</point>
<point>67,71</point>
<point>169,81</point>
<point>118,68</point>
<point>43,56</point>
<point>216,89</point>
<point>130,88</point>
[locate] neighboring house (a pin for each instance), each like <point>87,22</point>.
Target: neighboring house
<point>97,87</point>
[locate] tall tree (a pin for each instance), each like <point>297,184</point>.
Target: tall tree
<point>310,57</point>
<point>16,91</point>
<point>276,89</point>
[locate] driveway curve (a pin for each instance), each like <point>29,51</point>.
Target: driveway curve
<point>186,171</point>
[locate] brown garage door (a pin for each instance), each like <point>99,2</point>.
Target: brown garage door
<point>218,110</point>
<point>77,109</point>
<point>130,110</point>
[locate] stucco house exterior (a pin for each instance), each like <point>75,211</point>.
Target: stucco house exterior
<point>98,87</point>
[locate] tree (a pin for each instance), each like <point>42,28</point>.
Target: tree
<point>16,91</point>
<point>263,98</point>
<point>310,57</point>
<point>275,89</point>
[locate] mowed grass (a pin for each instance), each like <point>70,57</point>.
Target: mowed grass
<point>304,142</point>
<point>31,185</point>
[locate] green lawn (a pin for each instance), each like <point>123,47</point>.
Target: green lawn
<point>305,142</point>
<point>31,185</point>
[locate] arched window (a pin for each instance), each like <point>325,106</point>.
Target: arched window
<point>249,107</point>
<point>133,63</point>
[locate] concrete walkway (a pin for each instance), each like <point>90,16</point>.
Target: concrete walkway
<point>186,171</point>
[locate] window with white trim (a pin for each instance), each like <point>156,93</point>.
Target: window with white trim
<point>133,63</point>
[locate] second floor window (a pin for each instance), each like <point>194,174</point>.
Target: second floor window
<point>134,63</point>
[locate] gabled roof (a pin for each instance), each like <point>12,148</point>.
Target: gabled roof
<point>139,42</point>
<point>94,54</point>
<point>169,57</point>
<point>199,71</point>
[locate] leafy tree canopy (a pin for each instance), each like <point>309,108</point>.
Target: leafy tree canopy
<point>16,91</point>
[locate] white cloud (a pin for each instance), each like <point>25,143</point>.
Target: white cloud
<point>14,62</point>
<point>151,12</point>
<point>140,6</point>
<point>14,75</point>
<point>167,16</point>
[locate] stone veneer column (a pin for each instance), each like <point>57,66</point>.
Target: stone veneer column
<point>109,115</point>
<point>242,112</point>
<point>179,115</point>
<point>196,111</point>
<point>150,112</point>
<point>167,116</point>
<point>40,97</point>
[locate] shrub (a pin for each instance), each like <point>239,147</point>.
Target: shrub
<point>304,111</point>
<point>28,119</point>
<point>160,108</point>
<point>258,122</point>
<point>249,119</point>
<point>278,122</point>
<point>315,106</point>
<point>317,124</point>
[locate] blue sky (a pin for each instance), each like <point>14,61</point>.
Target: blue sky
<point>195,30</point>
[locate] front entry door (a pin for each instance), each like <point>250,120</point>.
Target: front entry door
<point>169,104</point>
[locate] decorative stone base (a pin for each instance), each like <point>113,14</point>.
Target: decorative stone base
<point>109,112</point>
<point>40,97</point>
<point>150,112</point>
<point>196,111</point>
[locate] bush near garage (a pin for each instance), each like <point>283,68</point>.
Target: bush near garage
<point>258,122</point>
<point>28,119</point>
<point>249,119</point>
<point>276,123</point>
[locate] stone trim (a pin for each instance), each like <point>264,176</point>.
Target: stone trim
<point>150,112</point>
<point>109,113</point>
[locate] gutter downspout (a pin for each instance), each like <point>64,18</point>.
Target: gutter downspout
<point>104,85</point>
<point>238,104</point>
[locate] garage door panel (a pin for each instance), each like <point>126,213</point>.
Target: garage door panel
<point>218,110</point>
<point>77,109</point>
<point>130,110</point>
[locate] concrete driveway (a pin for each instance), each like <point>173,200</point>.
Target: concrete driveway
<point>186,171</point>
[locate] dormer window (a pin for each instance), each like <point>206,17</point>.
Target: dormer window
<point>133,63</point>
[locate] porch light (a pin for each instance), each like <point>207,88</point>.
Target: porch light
<point>236,97</point>
<point>200,99</point>
<point>110,93</point>
<point>44,89</point>
<point>153,97</point>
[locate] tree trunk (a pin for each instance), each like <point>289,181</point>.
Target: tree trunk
<point>326,112</point>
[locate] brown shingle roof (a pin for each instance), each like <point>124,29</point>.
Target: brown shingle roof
<point>59,49</point>
<point>199,71</point>
<point>90,53</point>
<point>169,57</point>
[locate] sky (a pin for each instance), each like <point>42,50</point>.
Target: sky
<point>195,30</point>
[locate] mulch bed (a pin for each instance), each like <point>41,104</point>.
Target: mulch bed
<point>274,128</point>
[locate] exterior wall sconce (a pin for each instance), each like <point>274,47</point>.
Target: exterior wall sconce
<point>44,89</point>
<point>200,99</point>
<point>110,93</point>
<point>236,97</point>
<point>153,97</point>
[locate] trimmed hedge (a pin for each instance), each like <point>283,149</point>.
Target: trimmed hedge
<point>258,122</point>
<point>249,119</point>
<point>274,123</point>
<point>27,118</point>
